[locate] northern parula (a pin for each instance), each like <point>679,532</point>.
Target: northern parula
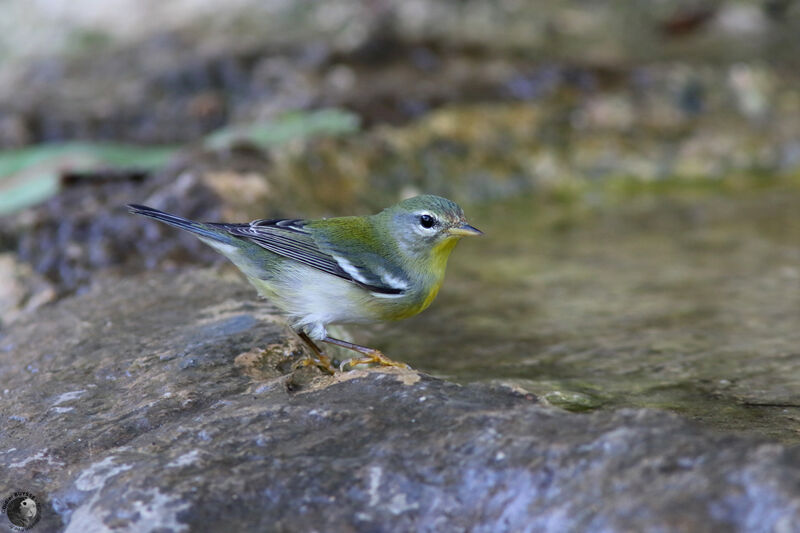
<point>344,270</point>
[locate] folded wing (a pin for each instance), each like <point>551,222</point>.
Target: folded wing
<point>292,238</point>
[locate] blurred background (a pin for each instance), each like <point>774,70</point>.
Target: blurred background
<point>634,164</point>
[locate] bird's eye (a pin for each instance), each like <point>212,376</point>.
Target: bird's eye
<point>426,221</point>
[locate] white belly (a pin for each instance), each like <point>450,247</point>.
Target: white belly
<point>313,299</point>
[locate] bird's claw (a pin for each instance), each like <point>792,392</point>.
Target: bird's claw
<point>373,357</point>
<point>323,363</point>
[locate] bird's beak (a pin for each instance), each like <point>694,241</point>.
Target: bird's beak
<point>465,230</point>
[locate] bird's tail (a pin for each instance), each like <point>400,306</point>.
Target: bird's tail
<point>202,230</point>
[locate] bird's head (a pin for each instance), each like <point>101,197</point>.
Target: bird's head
<point>427,224</point>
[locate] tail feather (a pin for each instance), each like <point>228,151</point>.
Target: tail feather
<point>201,230</point>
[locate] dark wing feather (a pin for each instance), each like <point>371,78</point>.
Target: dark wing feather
<point>290,238</point>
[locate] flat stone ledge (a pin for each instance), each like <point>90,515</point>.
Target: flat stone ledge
<point>168,402</point>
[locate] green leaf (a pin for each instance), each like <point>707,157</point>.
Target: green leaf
<point>287,127</point>
<point>31,175</point>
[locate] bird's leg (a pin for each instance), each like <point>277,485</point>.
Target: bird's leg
<point>371,355</point>
<point>319,358</point>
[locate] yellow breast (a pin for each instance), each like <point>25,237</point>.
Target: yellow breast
<point>416,303</point>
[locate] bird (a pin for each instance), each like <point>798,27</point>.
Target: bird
<point>342,270</point>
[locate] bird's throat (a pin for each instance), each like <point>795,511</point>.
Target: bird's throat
<point>439,256</point>
<point>440,253</point>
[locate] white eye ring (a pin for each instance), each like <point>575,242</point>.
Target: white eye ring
<point>421,218</point>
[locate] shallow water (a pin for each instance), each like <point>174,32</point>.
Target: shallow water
<point>687,300</point>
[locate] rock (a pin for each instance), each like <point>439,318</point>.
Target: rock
<point>168,403</point>
<point>22,291</point>
<point>86,229</point>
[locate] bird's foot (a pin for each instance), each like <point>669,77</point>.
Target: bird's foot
<point>373,356</point>
<point>321,361</point>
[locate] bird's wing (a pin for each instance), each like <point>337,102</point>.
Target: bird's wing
<point>292,238</point>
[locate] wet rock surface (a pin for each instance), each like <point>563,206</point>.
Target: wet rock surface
<point>168,402</point>
<point>677,300</point>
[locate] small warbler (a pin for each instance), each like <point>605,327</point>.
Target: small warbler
<point>345,270</point>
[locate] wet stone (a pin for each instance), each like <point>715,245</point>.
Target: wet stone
<point>168,402</point>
